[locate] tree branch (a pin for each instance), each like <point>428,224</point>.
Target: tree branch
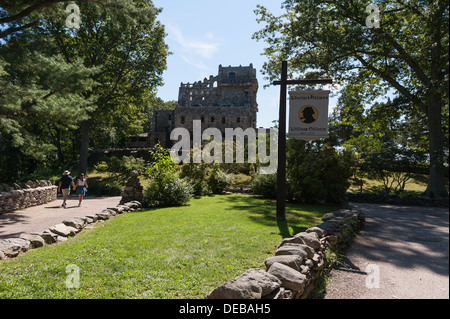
<point>393,83</point>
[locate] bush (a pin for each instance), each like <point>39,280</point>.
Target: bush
<point>218,180</point>
<point>265,185</point>
<point>120,169</point>
<point>318,172</point>
<point>104,188</point>
<point>166,187</point>
<point>196,174</point>
<point>167,190</point>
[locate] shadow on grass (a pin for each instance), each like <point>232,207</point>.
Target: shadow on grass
<point>299,217</point>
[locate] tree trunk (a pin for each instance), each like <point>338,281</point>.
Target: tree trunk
<point>59,147</point>
<point>84,147</point>
<point>436,180</point>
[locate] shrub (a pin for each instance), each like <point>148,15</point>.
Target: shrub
<point>120,169</point>
<point>104,188</point>
<point>218,180</point>
<point>318,172</point>
<point>196,174</point>
<point>166,187</point>
<point>265,185</point>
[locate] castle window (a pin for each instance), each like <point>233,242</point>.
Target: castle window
<point>212,119</point>
<point>203,119</point>
<point>223,120</point>
<point>182,120</point>
<point>238,120</point>
<point>232,75</point>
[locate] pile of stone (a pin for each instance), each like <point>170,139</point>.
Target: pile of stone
<point>12,247</point>
<point>133,189</point>
<point>298,261</point>
<point>17,196</point>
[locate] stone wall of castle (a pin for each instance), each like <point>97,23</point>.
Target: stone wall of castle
<point>227,100</point>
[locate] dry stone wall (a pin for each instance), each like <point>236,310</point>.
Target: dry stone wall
<point>17,196</point>
<point>298,262</point>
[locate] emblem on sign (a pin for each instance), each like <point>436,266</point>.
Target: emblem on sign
<point>308,114</point>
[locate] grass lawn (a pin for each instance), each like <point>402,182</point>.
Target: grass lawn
<point>181,252</point>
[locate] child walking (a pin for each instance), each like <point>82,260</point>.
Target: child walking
<point>81,188</point>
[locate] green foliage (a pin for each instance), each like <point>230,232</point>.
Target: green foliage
<point>161,162</point>
<point>218,180</point>
<point>394,167</point>
<point>265,185</point>
<point>166,187</point>
<point>333,41</point>
<point>53,78</point>
<point>196,174</point>
<point>120,169</point>
<point>206,178</point>
<point>104,187</point>
<point>318,172</point>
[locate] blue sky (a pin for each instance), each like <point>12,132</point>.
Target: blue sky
<point>205,33</point>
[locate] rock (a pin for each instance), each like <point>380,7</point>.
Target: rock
<point>93,217</point>
<point>49,237</point>
<point>343,213</point>
<point>104,215</point>
<point>319,263</point>
<point>290,278</point>
<point>328,216</point>
<point>63,230</point>
<point>280,293</point>
<point>328,227</point>
<point>9,249</point>
<point>295,249</point>
<point>134,173</point>
<point>125,208</point>
<point>61,238</point>
<point>253,284</point>
<point>75,222</point>
<point>311,239</point>
<point>316,230</point>
<point>2,255</point>
<point>23,243</point>
<point>118,210</point>
<point>293,261</point>
<point>35,240</point>
<point>309,263</point>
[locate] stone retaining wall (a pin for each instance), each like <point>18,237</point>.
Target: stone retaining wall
<point>22,195</point>
<point>298,262</point>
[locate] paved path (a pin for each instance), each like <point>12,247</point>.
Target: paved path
<point>39,218</point>
<point>406,247</point>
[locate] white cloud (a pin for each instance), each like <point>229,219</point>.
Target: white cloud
<point>194,50</point>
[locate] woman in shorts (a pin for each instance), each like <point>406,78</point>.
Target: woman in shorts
<point>81,188</point>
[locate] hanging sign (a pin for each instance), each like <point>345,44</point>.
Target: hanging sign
<point>308,114</point>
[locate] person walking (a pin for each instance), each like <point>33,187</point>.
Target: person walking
<point>81,188</point>
<point>64,186</point>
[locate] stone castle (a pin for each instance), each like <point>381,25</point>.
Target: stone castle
<point>227,100</point>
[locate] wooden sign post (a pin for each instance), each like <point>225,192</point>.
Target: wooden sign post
<point>281,172</point>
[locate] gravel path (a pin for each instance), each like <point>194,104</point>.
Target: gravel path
<point>402,252</point>
<point>39,218</point>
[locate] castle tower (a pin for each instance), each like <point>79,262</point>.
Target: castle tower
<point>227,100</point>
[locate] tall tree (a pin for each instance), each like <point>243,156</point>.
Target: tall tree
<point>130,53</point>
<point>407,56</point>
